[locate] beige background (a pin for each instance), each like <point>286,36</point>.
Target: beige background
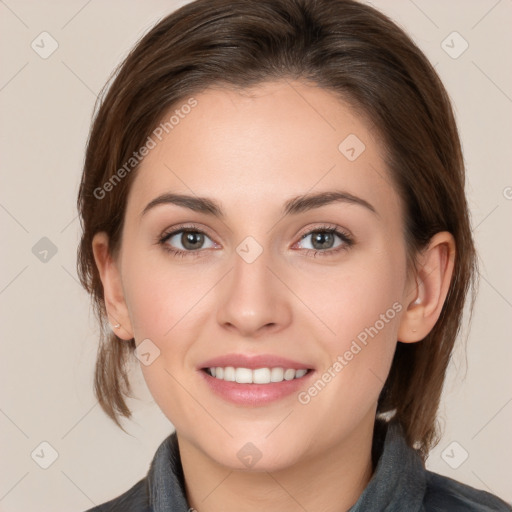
<point>48,333</point>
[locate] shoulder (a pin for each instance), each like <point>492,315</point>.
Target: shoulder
<point>134,499</point>
<point>446,494</point>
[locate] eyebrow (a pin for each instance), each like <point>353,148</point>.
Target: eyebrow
<point>293,206</point>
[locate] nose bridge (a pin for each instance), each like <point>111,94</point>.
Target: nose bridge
<point>252,297</point>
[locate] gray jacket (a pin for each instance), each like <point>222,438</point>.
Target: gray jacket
<point>400,483</point>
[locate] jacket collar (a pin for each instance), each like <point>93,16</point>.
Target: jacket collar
<point>166,484</point>
<point>398,482</point>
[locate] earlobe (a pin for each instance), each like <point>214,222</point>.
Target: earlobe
<point>110,276</point>
<point>433,280</point>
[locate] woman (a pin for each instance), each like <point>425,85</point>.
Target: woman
<point>275,225</point>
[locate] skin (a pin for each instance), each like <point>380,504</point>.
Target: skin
<point>252,151</point>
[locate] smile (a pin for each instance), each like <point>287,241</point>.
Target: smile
<point>256,376</point>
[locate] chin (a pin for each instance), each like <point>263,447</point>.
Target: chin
<point>256,453</point>
<point>250,458</point>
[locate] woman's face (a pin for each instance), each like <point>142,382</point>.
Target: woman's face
<point>260,283</point>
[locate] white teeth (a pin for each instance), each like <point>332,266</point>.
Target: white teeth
<point>243,375</point>
<point>257,376</point>
<point>261,376</point>
<point>229,374</point>
<point>276,375</point>
<point>289,374</point>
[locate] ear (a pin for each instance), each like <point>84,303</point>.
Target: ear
<point>115,304</point>
<point>430,286</point>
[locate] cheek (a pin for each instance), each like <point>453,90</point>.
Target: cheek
<point>160,297</point>
<point>364,316</point>
<point>361,306</point>
<point>358,296</point>
<point>166,305</point>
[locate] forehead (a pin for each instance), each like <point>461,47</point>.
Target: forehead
<point>262,145</point>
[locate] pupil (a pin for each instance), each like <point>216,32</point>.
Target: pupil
<point>190,240</point>
<point>324,239</point>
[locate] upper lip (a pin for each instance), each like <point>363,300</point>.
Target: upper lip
<point>253,362</point>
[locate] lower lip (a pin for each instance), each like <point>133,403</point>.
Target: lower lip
<point>255,394</point>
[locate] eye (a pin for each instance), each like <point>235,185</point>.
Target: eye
<point>190,240</point>
<point>185,240</point>
<point>323,240</point>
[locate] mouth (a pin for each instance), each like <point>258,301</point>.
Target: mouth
<point>264,375</point>
<point>254,380</point>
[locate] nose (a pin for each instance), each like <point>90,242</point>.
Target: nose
<point>252,300</point>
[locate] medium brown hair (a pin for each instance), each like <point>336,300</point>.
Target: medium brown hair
<point>342,46</point>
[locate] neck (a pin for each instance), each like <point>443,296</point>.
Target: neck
<point>331,481</point>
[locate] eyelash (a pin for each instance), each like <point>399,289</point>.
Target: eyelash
<point>346,238</point>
